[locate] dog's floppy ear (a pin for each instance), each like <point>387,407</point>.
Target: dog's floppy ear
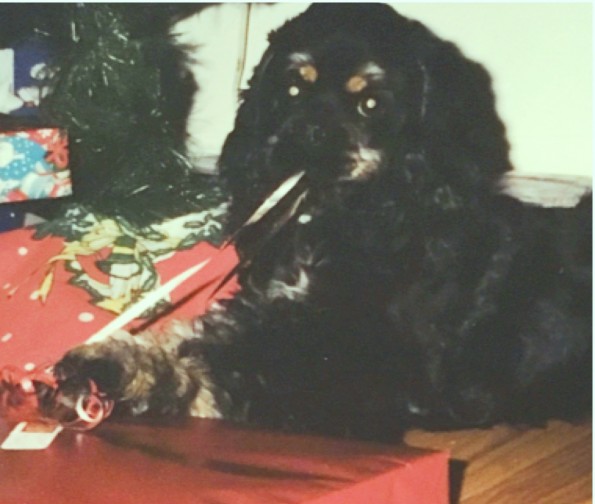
<point>256,96</point>
<point>459,133</point>
<point>244,153</point>
<point>243,148</point>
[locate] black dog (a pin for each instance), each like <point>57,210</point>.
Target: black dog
<point>405,290</point>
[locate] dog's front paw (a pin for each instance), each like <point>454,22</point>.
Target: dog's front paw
<point>144,373</point>
<point>113,366</point>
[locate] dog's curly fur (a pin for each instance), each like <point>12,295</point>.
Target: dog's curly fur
<point>406,290</point>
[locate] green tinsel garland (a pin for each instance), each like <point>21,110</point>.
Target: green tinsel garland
<point>122,96</point>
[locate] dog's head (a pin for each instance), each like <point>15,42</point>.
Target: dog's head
<point>354,92</point>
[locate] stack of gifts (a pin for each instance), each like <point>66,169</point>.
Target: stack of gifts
<point>33,157</point>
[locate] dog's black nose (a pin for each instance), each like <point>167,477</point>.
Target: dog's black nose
<point>315,135</point>
<point>319,136</point>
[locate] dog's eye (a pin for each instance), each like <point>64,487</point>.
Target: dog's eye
<point>294,91</point>
<point>368,106</point>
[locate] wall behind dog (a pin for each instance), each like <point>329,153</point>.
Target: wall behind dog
<point>540,57</point>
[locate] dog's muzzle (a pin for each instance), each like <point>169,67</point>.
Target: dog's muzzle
<point>327,149</point>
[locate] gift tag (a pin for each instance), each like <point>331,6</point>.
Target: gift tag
<point>31,436</point>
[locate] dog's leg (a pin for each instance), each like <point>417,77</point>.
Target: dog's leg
<point>210,367</point>
<point>279,365</point>
<point>142,373</point>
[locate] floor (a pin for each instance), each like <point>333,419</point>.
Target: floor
<point>513,465</point>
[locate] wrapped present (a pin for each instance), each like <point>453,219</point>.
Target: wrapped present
<point>76,287</point>
<point>34,164</point>
<point>209,461</point>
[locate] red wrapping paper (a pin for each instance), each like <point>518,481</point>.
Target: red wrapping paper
<point>211,462</point>
<point>36,333</point>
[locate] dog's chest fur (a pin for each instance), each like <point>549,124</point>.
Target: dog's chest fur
<point>327,256</point>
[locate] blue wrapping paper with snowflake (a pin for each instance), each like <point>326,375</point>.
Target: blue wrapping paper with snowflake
<point>34,164</point>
